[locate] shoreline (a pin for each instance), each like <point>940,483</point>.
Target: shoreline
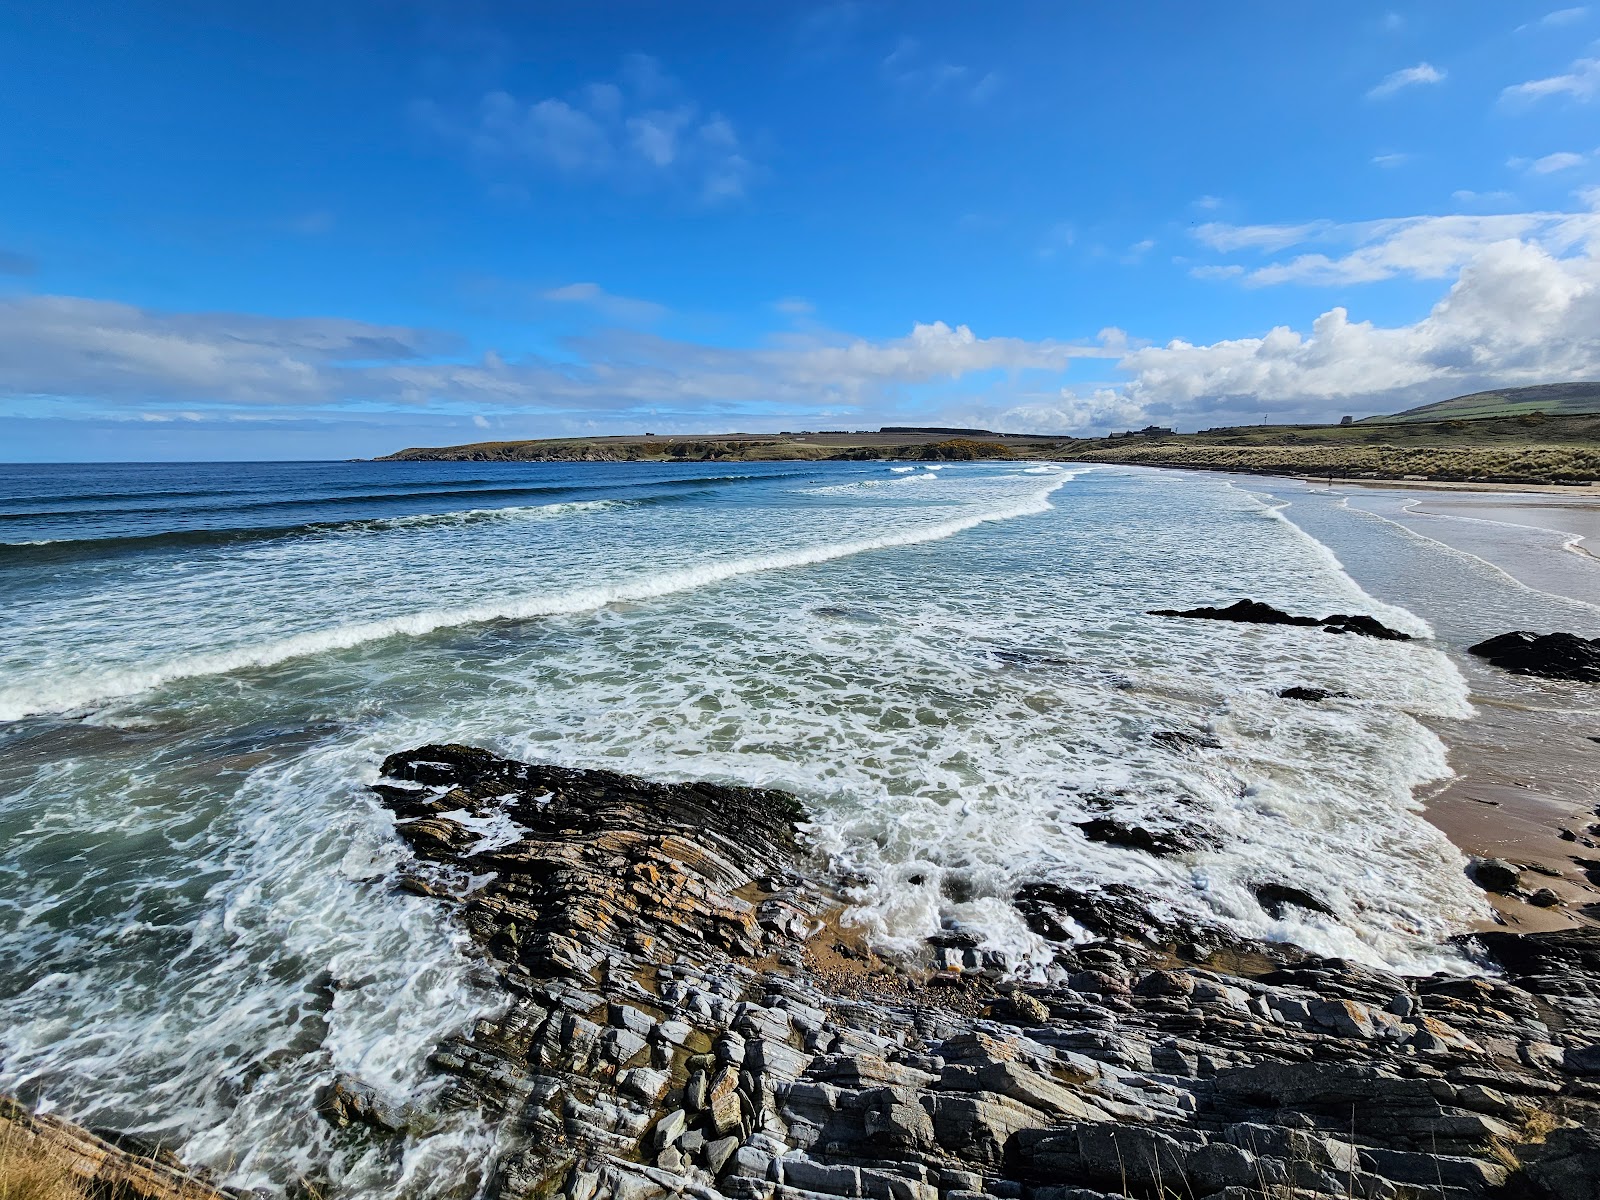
<point>1526,776</point>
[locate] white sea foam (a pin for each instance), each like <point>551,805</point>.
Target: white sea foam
<point>66,695</point>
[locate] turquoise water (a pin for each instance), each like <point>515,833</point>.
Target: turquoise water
<point>201,666</point>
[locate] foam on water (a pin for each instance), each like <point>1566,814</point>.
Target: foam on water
<point>197,923</point>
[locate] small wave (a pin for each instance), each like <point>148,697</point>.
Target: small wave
<point>55,550</point>
<point>16,703</point>
<point>901,470</point>
<point>392,497</point>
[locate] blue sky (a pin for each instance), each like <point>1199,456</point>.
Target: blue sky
<point>241,231</point>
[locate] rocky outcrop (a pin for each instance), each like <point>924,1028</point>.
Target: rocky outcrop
<point>1551,655</point>
<point>45,1157</point>
<point>1254,612</point>
<point>685,1016</point>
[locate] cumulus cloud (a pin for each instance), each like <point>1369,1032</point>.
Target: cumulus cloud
<point>109,356</point>
<point>1406,77</point>
<point>1580,82</point>
<point>1516,314</point>
<point>1422,247</point>
<point>638,129</point>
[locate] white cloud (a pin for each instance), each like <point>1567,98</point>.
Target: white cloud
<point>917,76</point>
<point>1581,82</point>
<point>1516,314</point>
<point>617,308</point>
<point>639,130</point>
<point>1424,247</point>
<point>1492,199</point>
<point>1561,161</point>
<point>1221,236</point>
<point>1561,16</point>
<point>102,355</point>
<point>1390,160</point>
<point>1406,77</point>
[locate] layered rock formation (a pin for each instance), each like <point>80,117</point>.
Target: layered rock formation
<point>684,1018</point>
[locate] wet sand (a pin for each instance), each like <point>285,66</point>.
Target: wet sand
<point>1577,517</point>
<point>1524,777</point>
<point>1527,787</point>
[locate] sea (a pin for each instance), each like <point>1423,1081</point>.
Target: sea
<point>202,665</point>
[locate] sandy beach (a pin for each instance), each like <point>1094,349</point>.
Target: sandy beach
<point>1528,765</point>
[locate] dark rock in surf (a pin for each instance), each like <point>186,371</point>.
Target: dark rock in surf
<point>1550,655</point>
<point>1254,612</point>
<point>1175,739</point>
<point>1311,695</point>
<point>1364,625</point>
<point>1250,612</point>
<point>1275,897</point>
<point>1163,843</point>
<point>1494,875</point>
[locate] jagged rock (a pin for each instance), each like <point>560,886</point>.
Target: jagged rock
<point>666,1026</point>
<point>1254,612</point>
<point>348,1101</point>
<point>1021,1008</point>
<point>1566,1166</point>
<point>1552,655</point>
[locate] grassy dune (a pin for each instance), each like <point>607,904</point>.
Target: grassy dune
<point>1492,464</point>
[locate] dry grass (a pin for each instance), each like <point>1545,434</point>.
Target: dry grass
<point>31,1172</point>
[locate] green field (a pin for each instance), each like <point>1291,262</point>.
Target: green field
<point>1552,399</point>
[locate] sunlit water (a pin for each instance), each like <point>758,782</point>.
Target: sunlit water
<point>201,666</point>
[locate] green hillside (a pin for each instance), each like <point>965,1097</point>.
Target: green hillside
<point>1553,399</point>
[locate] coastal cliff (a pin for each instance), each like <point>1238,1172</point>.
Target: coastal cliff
<point>685,1016</point>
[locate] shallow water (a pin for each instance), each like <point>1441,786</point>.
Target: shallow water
<point>201,666</point>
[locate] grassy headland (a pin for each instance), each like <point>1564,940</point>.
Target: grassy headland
<point>1484,438</point>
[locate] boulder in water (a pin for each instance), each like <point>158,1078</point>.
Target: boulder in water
<point>1250,612</point>
<point>1312,695</point>
<point>1551,655</point>
<point>1275,897</point>
<point>1254,612</point>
